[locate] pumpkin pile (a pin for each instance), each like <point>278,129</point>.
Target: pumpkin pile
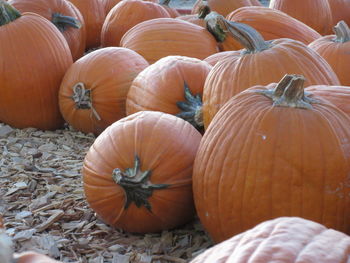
<point>237,113</point>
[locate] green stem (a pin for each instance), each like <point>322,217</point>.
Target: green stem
<point>244,34</point>
<point>289,92</point>
<point>136,185</point>
<point>166,2</point>
<point>8,13</point>
<point>204,10</point>
<point>63,22</point>
<point>191,109</point>
<point>342,32</point>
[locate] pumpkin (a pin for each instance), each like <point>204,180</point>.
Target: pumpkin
<point>138,173</point>
<point>124,16</point>
<point>316,14</point>
<point>172,11</point>
<point>284,239</point>
<point>94,14</point>
<point>273,24</point>
<point>109,4</point>
<point>340,10</point>
<point>33,257</point>
<point>93,91</point>
<point>162,37</point>
<point>261,62</point>
<point>65,16</point>
<point>198,19</point>
<point>259,153</point>
<point>335,49</point>
<point>224,7</point>
<point>337,95</point>
<point>34,57</point>
<point>173,85</point>
<point>213,59</point>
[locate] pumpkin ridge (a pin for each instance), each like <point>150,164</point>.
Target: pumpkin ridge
<point>8,13</point>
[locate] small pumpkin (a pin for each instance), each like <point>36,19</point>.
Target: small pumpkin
<point>94,15</point>
<point>224,7</point>
<point>64,15</point>
<point>315,14</point>
<point>284,239</point>
<point>138,173</point>
<point>34,56</point>
<point>335,50</point>
<point>173,85</point>
<point>261,62</point>
<point>162,37</point>
<point>273,24</point>
<point>93,91</point>
<point>269,167</point>
<point>124,16</point>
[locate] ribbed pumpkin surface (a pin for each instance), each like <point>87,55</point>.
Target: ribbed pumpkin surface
<point>285,239</point>
<point>166,146</point>
<point>163,37</point>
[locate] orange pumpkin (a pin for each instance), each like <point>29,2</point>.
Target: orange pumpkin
<point>172,11</point>
<point>340,10</point>
<point>215,58</point>
<point>124,16</point>
<point>198,19</point>
<point>269,167</point>
<point>94,14</point>
<point>335,50</point>
<point>174,85</point>
<point>273,24</point>
<point>284,239</point>
<point>93,91</point>
<point>316,14</point>
<point>138,173</point>
<point>337,95</point>
<point>262,62</point>
<point>162,37</point>
<point>65,16</point>
<point>34,57</point>
<point>224,7</point>
<point>109,4</point>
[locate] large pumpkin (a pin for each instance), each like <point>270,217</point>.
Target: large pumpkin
<point>34,57</point>
<point>94,15</point>
<point>124,16</point>
<point>261,62</point>
<point>284,239</point>
<point>224,7</point>
<point>138,173</point>
<point>335,49</point>
<point>270,152</point>
<point>273,24</point>
<point>316,14</point>
<point>93,91</point>
<point>174,85</point>
<point>162,37</point>
<point>109,4</point>
<point>64,15</point>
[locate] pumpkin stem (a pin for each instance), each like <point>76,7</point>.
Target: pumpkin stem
<point>166,2</point>
<point>8,13</point>
<point>62,22</point>
<point>244,34</point>
<point>82,99</point>
<point>289,92</point>
<point>204,10</point>
<point>342,32</point>
<point>191,109</point>
<point>136,185</point>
